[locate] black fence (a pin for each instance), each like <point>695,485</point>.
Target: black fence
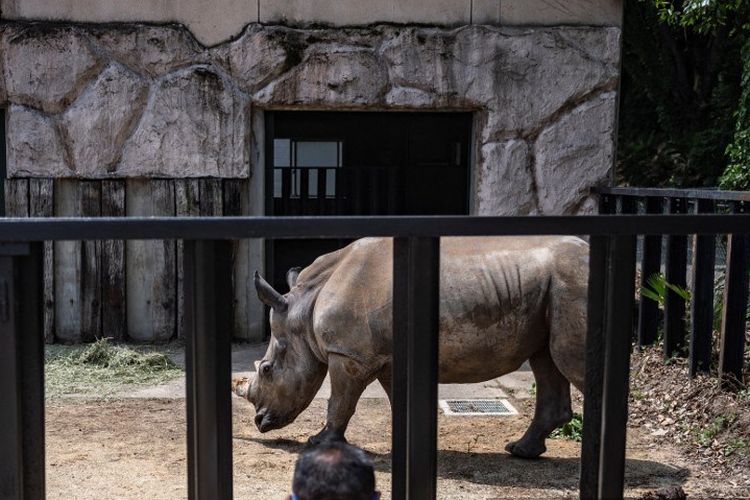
<point>415,313</point>
<point>691,331</point>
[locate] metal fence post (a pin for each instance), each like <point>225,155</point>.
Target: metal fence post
<point>208,369</point>
<point>648,310</point>
<point>702,295</point>
<point>735,308</point>
<point>399,369</point>
<point>617,345</point>
<point>676,274</point>
<point>416,323</point>
<point>594,377</point>
<point>22,473</point>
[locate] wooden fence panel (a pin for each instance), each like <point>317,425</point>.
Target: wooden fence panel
<point>151,268</point>
<point>187,200</point>
<point>77,274</point>
<point>113,265</point>
<point>90,200</point>
<point>17,197</point>
<point>41,204</point>
<point>232,205</point>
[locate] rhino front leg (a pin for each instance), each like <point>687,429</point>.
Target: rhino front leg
<point>348,382</point>
<point>552,406</point>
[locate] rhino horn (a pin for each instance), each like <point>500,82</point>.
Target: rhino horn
<point>268,295</point>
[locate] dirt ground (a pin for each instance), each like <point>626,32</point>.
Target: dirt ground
<point>135,448</point>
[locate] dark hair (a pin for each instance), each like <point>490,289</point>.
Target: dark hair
<point>334,471</point>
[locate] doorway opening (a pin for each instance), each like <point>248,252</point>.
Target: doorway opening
<point>361,163</point>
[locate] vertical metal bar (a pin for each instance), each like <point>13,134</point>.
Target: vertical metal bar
<point>22,473</point>
<point>304,190</point>
<point>676,274</point>
<point>594,378</point>
<point>30,335</point>
<point>416,322</point>
<point>735,308</point>
<point>188,290</point>
<point>399,442</point>
<point>322,178</point>
<point>648,311</point>
<point>286,190</point>
<point>423,289</point>
<point>702,295</point>
<point>628,205</point>
<point>11,460</point>
<point>618,333</point>
<point>208,366</point>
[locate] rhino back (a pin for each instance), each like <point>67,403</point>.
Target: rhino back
<point>493,302</point>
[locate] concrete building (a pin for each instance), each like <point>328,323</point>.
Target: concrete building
<point>123,107</point>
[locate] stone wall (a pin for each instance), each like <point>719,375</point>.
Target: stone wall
<point>148,115</point>
<point>95,102</point>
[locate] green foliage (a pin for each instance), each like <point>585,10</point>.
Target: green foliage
<point>103,368</point>
<point>703,16</point>
<point>572,430</point>
<point>737,174</point>
<point>719,300</point>
<point>735,445</point>
<point>680,89</point>
<point>656,289</point>
<point>706,435</point>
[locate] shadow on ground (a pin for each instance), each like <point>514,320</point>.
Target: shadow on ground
<point>502,469</point>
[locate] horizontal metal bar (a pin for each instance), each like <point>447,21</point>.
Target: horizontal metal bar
<point>11,249</point>
<point>698,194</point>
<point>202,228</point>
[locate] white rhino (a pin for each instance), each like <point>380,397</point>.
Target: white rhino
<point>503,300</point>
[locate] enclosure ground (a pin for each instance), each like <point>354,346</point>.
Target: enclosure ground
<point>131,442</point>
<point>135,448</point>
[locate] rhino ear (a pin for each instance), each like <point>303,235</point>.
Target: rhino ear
<point>268,295</point>
<point>292,275</point>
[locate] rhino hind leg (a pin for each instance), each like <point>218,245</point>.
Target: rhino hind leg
<point>385,379</point>
<point>348,382</point>
<point>552,406</point>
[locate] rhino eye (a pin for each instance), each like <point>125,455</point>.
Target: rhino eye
<point>265,369</point>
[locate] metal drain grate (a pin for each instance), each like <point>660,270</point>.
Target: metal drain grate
<point>473,407</point>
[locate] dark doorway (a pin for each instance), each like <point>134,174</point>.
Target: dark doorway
<point>361,163</point>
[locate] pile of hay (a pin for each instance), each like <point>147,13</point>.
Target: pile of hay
<point>104,368</point>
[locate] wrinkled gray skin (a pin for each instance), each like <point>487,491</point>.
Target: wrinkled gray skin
<point>503,301</point>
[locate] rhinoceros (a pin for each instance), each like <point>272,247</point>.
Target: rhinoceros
<point>503,300</point>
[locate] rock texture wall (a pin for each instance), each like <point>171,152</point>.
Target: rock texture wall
<point>149,101</point>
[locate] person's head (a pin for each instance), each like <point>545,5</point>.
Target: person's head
<point>334,471</point>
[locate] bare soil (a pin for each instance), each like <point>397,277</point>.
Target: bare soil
<point>135,448</point>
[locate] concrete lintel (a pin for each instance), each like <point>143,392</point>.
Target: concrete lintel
<point>365,12</point>
<point>210,22</point>
<point>556,12</point>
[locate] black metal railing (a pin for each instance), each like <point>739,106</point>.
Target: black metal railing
<point>415,314</point>
<point>697,344</point>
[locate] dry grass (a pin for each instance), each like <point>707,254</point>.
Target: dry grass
<point>709,425</point>
<point>103,368</point>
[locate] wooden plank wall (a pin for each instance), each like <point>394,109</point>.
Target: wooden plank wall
<point>40,205</point>
<point>114,313</point>
<point>150,266</point>
<point>124,290</point>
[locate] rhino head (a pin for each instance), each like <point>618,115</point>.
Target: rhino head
<point>289,375</point>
